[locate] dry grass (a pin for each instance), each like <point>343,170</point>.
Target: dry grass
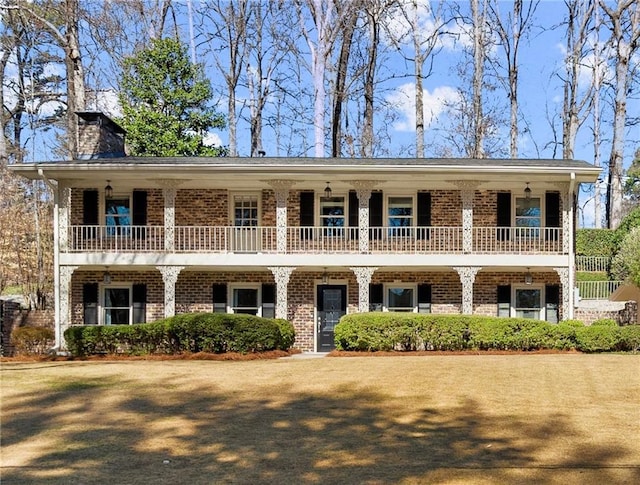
<point>426,419</point>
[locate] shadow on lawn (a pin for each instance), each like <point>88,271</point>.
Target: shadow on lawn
<point>168,436</point>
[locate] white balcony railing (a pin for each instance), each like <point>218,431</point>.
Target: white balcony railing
<point>315,240</point>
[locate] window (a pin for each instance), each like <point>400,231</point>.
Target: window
<point>400,215</point>
<point>528,215</point>
<point>332,215</point>
<point>117,215</point>
<point>528,303</point>
<point>116,309</point>
<point>400,298</point>
<point>245,210</point>
<point>245,300</point>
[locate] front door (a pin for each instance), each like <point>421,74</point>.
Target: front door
<point>332,304</point>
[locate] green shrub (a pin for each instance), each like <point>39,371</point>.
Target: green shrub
<point>32,340</point>
<point>592,276</point>
<point>596,242</point>
<point>605,322</point>
<point>191,332</point>
<point>598,339</point>
<point>630,338</point>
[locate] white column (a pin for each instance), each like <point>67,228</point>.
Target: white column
<point>281,189</point>
<point>467,278</point>
<point>64,203</point>
<point>363,191</point>
<point>567,202</point>
<point>467,191</point>
<point>281,275</point>
<point>169,192</point>
<point>363,275</point>
<point>169,277</point>
<point>567,293</point>
<point>64,298</point>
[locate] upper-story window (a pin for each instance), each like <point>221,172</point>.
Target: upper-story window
<point>400,211</point>
<point>117,213</point>
<point>245,210</point>
<point>332,212</point>
<point>528,212</point>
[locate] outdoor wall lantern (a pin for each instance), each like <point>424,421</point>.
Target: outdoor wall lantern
<point>108,190</point>
<point>528,278</point>
<point>325,277</point>
<point>527,192</point>
<point>327,191</point>
<point>106,277</point>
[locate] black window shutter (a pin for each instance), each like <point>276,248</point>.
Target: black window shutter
<point>139,216</point>
<point>90,207</point>
<point>139,297</point>
<point>375,215</point>
<point>424,298</point>
<point>424,214</point>
<point>139,213</point>
<point>552,214</point>
<point>268,300</point>
<point>306,213</point>
<point>552,296</point>
<point>504,300</point>
<point>503,215</point>
<point>90,303</point>
<point>354,218</point>
<point>220,298</point>
<point>375,297</point>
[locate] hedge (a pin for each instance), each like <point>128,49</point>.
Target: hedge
<point>191,332</point>
<point>32,340</point>
<point>412,331</point>
<point>596,242</point>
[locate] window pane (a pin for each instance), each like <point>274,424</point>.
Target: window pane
<point>245,297</point>
<point>400,211</point>
<point>528,212</point>
<point>245,211</point>
<point>528,303</point>
<point>117,212</point>
<point>116,297</point>
<point>332,212</point>
<point>400,298</point>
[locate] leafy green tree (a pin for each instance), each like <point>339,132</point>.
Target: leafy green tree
<point>164,100</point>
<point>632,182</point>
<point>626,264</point>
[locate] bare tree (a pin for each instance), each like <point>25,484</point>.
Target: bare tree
<point>624,24</point>
<point>229,47</point>
<point>510,31</point>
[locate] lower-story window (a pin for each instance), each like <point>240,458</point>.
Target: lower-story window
<point>245,300</point>
<point>116,308</point>
<point>528,302</point>
<point>401,298</point>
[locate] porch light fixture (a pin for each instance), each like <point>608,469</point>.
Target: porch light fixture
<point>327,191</point>
<point>108,190</point>
<point>325,277</point>
<point>106,276</point>
<point>528,278</point>
<point>527,192</point>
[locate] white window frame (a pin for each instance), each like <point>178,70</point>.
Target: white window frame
<point>514,204</point>
<point>244,286</point>
<point>318,216</point>
<point>413,209</point>
<point>232,207</point>
<point>102,300</point>
<point>103,211</point>
<point>543,305</point>
<point>411,286</point>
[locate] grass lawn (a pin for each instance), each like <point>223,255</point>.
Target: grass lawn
<point>476,419</point>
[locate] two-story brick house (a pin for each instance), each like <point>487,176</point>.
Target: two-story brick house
<point>307,239</point>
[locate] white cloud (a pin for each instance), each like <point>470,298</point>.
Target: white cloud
<point>106,101</point>
<point>212,140</point>
<point>435,103</point>
<point>399,20</point>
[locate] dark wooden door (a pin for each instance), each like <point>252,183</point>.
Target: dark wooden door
<point>332,304</point>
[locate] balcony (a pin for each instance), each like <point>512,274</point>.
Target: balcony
<point>313,240</point>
